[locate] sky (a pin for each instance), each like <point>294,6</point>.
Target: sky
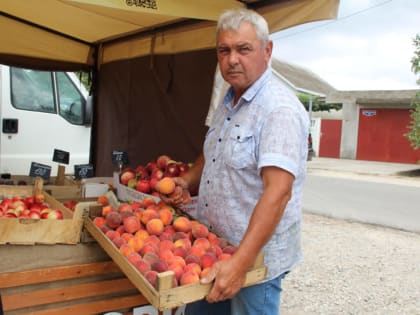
<point>368,47</point>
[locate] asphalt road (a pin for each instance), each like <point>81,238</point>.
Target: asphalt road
<point>382,200</point>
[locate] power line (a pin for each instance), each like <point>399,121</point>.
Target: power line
<point>331,22</point>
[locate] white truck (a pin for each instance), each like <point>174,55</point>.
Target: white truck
<point>40,112</point>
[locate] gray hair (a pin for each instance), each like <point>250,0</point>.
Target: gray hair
<point>232,20</point>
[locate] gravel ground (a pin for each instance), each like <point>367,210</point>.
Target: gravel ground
<point>354,268</point>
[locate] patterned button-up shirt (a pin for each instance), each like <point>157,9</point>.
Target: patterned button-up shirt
<point>267,127</point>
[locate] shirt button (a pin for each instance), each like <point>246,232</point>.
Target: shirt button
<point>206,204</point>
<point>238,137</point>
<point>220,140</point>
<point>228,118</point>
<point>214,160</point>
<point>208,182</point>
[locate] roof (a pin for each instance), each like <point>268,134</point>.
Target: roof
<point>301,79</point>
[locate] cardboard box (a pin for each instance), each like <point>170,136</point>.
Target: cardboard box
<point>125,193</point>
<point>69,190</point>
<point>96,186</point>
<point>163,297</point>
<point>27,231</point>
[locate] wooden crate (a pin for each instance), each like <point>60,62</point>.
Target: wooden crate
<point>163,297</point>
<point>27,231</point>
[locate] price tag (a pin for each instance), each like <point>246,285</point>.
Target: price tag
<point>119,157</point>
<point>83,171</point>
<point>40,170</point>
<point>61,156</point>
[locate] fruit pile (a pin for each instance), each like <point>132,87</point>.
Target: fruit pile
<point>154,238</point>
<point>33,207</point>
<point>143,178</point>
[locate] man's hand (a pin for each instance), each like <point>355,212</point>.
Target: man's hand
<point>178,199</point>
<point>228,279</point>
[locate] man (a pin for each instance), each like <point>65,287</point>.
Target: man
<point>252,171</point>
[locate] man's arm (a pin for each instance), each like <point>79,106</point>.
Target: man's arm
<point>230,274</point>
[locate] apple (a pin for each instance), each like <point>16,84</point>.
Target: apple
<point>39,198</point>
<point>183,167</point>
<point>34,215</point>
<point>141,172</point>
<point>162,161</point>
<point>157,173</point>
<point>35,208</point>
<point>172,170</point>
<point>29,201</point>
<point>143,186</point>
<point>151,166</point>
<point>44,213</point>
<point>126,175</point>
<point>132,183</point>
<point>55,214</point>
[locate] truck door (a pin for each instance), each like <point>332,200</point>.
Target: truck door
<point>41,111</point>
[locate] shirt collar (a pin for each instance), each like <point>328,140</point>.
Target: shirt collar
<point>249,93</point>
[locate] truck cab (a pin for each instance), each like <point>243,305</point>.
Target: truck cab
<point>41,111</point>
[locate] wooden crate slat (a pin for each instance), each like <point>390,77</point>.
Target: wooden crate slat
<point>36,297</point>
<point>13,279</point>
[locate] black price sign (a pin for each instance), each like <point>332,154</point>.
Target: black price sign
<point>61,156</point>
<point>40,170</point>
<point>83,171</point>
<point>119,157</point>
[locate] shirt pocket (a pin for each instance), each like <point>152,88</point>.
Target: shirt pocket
<point>240,150</point>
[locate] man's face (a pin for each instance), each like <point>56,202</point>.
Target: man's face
<point>241,57</point>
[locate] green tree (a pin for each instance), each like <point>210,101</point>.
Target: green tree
<point>318,103</point>
<point>414,128</point>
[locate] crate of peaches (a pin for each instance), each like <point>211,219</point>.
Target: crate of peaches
<point>161,250</point>
<point>29,215</point>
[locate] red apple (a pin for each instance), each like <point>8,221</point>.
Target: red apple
<point>172,170</point>
<point>141,172</point>
<point>34,215</point>
<point>126,175</point>
<point>157,173</point>
<point>151,166</point>
<point>44,213</point>
<point>162,161</point>
<point>55,214</point>
<point>39,198</point>
<point>143,186</point>
<point>183,167</point>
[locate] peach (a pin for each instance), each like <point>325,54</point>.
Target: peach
<point>125,207</point>
<point>166,216</point>
<point>182,224</point>
<point>180,251</point>
<point>178,260</point>
<point>142,266</point>
<point>197,251</point>
<point>149,248</point>
<point>136,243</point>
<point>135,205</point>
<point>200,231</point>
<point>194,267</point>
<point>152,239</point>
<point>118,241</point>
<point>215,249</point>
<point>133,258</point>
<point>138,214</point>
<point>189,277</point>
<point>205,272</point>
<point>126,250</point>
<point>151,258</point>
<point>229,249</point>
<point>169,229</point>
<point>113,219</point>
<point>148,215</point>
<point>120,229</point>
<point>154,227</point>
<point>142,234</point>
<point>184,243</point>
<point>160,266</point>
<point>177,269</point>
<point>166,255</point>
<point>165,186</point>
<point>99,222</point>
<point>177,193</point>
<point>103,200</point>
<point>151,277</point>
<point>166,244</point>
<point>191,258</point>
<point>127,236</point>
<point>202,242</point>
<point>147,201</point>
<point>211,236</point>
<point>165,237</point>
<point>111,234</point>
<point>107,209</point>
<point>179,235</point>
<point>186,197</point>
<point>131,224</point>
<point>207,260</point>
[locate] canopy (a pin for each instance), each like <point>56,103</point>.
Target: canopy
<point>77,34</point>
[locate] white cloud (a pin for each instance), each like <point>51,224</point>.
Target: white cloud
<point>368,51</point>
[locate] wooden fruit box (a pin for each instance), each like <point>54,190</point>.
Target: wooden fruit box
<point>163,297</point>
<point>26,231</point>
<point>68,188</point>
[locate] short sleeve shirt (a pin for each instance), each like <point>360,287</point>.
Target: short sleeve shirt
<point>267,127</point>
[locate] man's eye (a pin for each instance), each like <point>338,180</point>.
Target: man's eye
<point>223,51</point>
<point>244,50</point>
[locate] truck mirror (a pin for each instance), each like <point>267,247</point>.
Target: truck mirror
<point>88,111</point>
